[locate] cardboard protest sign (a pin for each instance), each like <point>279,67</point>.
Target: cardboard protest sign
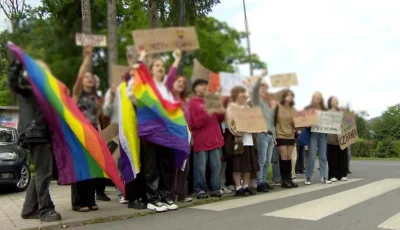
<point>110,132</point>
<point>117,72</point>
<point>284,80</point>
<point>213,102</point>
<point>131,55</point>
<point>166,39</point>
<point>90,40</point>
<point>305,118</point>
<point>200,72</point>
<point>230,80</point>
<point>329,122</point>
<point>349,130</point>
<point>214,85</point>
<point>249,120</point>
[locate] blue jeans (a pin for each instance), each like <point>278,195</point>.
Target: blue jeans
<point>213,158</point>
<point>276,172</point>
<point>265,146</point>
<point>317,144</point>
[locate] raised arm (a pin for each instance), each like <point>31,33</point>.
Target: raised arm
<point>109,100</point>
<point>255,97</point>
<point>76,90</point>
<point>169,83</point>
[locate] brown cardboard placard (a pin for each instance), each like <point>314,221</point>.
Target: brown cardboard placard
<point>348,137</point>
<point>330,122</point>
<point>213,102</point>
<point>110,132</point>
<point>166,39</point>
<point>284,80</point>
<point>249,120</point>
<point>305,118</point>
<point>200,72</point>
<point>117,71</point>
<point>90,40</point>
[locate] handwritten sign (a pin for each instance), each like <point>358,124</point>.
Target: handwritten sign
<point>166,39</point>
<point>90,40</point>
<point>230,80</point>
<point>305,118</point>
<point>249,120</point>
<point>117,72</point>
<point>329,122</point>
<point>284,80</point>
<point>349,133</point>
<point>214,85</point>
<point>213,103</point>
<point>200,72</point>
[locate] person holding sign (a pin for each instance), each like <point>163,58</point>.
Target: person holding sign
<point>284,125</point>
<point>337,158</point>
<point>266,140</point>
<point>317,143</point>
<point>240,145</point>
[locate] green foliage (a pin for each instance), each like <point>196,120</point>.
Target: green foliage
<point>388,125</point>
<point>363,148</point>
<point>362,127</point>
<point>387,148</point>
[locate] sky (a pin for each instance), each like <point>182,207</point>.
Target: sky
<point>344,48</point>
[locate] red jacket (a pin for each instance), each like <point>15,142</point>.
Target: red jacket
<point>205,128</point>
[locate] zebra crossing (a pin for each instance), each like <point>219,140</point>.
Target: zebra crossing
<point>318,208</point>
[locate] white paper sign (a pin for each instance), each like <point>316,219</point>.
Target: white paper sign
<point>329,123</point>
<point>230,80</point>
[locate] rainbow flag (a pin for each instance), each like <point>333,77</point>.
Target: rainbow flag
<point>80,152</point>
<point>160,121</point>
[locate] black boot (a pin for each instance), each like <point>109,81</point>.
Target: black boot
<point>290,180</point>
<point>284,175</point>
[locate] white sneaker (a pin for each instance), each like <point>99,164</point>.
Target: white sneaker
<point>187,200</point>
<point>123,201</point>
<point>221,191</point>
<point>158,207</point>
<point>253,184</point>
<point>307,181</point>
<point>343,179</point>
<point>227,190</point>
<point>277,183</point>
<point>333,179</point>
<point>170,205</point>
<point>231,187</point>
<point>325,181</point>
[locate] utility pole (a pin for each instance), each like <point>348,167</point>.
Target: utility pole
<point>248,38</point>
<point>182,9</point>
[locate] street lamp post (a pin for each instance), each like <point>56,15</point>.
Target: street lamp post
<point>248,38</point>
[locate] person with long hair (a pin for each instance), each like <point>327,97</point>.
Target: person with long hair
<point>317,144</point>
<point>245,159</point>
<point>337,157</point>
<point>285,139</point>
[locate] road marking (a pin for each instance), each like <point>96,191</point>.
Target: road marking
<point>392,223</point>
<point>328,205</point>
<point>247,201</point>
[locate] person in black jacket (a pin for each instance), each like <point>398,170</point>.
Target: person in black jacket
<point>35,136</point>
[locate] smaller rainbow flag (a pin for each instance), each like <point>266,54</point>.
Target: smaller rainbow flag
<point>160,121</point>
<point>80,152</point>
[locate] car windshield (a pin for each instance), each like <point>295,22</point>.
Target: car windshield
<point>6,136</point>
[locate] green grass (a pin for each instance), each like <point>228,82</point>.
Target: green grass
<point>374,159</point>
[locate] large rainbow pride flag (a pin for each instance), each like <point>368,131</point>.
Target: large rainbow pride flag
<point>160,121</point>
<point>80,152</point>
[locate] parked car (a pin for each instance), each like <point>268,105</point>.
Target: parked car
<point>14,161</point>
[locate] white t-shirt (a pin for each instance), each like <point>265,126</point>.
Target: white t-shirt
<point>165,93</point>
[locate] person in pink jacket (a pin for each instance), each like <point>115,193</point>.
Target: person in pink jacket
<point>207,142</point>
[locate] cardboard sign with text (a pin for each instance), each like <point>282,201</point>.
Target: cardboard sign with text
<point>90,40</point>
<point>284,80</point>
<point>330,122</point>
<point>110,132</point>
<point>117,72</point>
<point>305,118</point>
<point>349,133</point>
<point>213,103</point>
<point>166,39</point>
<point>230,80</point>
<point>249,120</point>
<point>200,72</point>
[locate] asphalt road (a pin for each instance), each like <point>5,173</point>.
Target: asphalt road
<point>369,200</point>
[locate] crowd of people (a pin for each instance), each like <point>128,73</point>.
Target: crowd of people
<point>222,158</point>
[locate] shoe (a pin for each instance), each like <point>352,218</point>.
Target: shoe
<point>226,190</point>
<point>102,197</point>
<point>294,185</point>
<point>231,187</point>
<point>137,204</point>
<point>50,216</point>
<point>221,191</point>
<point>123,201</point>
<point>253,183</point>
<point>307,181</point>
<point>187,200</point>
<point>239,192</point>
<point>202,195</point>
<point>35,216</point>
<point>269,187</point>
<point>249,191</point>
<point>170,205</point>
<point>343,179</point>
<point>277,183</point>
<point>216,194</point>
<point>333,179</point>
<point>325,181</point>
<point>157,206</point>
<point>285,184</point>
<point>262,188</point>
<point>294,177</point>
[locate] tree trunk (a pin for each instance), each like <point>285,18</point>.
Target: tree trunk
<point>86,22</point>
<point>153,23</point>
<point>112,36</point>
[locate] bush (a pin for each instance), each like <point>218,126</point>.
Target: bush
<point>388,148</point>
<point>363,148</point>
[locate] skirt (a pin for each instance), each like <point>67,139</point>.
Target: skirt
<point>284,142</point>
<point>246,162</point>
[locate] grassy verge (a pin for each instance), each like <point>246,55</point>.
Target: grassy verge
<point>374,159</point>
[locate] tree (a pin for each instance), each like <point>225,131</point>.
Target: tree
<point>362,127</point>
<point>112,40</point>
<point>14,10</point>
<point>388,125</point>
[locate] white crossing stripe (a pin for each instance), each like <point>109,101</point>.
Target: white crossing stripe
<point>328,205</point>
<point>392,223</point>
<point>247,201</point>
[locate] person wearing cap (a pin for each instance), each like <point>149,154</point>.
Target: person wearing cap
<point>207,142</point>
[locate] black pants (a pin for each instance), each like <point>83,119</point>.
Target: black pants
<point>300,159</point>
<point>158,163</point>
<point>180,184</point>
<point>83,194</point>
<point>337,162</point>
<point>100,186</point>
<point>229,172</point>
<point>37,199</point>
<point>135,189</point>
